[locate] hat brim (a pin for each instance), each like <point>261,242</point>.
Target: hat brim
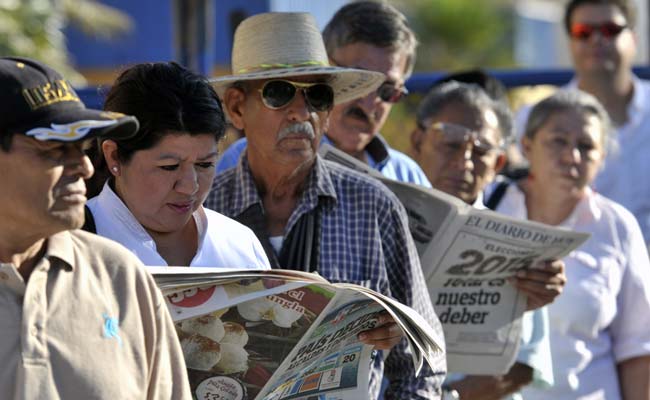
<point>81,124</point>
<point>348,83</point>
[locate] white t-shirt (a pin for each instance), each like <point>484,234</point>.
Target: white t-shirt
<point>602,316</point>
<point>223,242</point>
<point>624,174</point>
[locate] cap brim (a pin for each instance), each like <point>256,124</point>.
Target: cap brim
<point>348,83</point>
<point>81,124</point>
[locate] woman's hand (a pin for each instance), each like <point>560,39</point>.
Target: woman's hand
<point>542,283</point>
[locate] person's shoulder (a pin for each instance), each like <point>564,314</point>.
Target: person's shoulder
<point>231,155</point>
<point>227,225</point>
<point>105,258</point>
<point>407,168</point>
<point>99,245</point>
<point>402,158</point>
<point>353,184</point>
<point>614,211</point>
<point>224,178</point>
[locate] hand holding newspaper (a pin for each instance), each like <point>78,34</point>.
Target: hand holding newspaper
<point>467,255</point>
<point>279,334</point>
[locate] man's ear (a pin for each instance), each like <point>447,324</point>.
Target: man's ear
<point>416,140</point>
<point>109,149</point>
<point>234,100</point>
<point>525,146</point>
<point>502,158</point>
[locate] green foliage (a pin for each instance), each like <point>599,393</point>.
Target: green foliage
<point>454,35</point>
<point>33,28</point>
<point>461,34</point>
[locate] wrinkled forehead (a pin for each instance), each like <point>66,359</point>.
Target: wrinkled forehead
<point>480,119</point>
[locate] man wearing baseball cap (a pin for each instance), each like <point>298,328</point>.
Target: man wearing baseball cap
<point>80,317</point>
<point>309,213</point>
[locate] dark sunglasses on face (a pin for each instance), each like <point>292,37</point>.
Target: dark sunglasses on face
<point>390,93</point>
<point>279,93</point>
<point>607,30</point>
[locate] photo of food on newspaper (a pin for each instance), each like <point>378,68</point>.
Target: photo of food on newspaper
<point>280,335</point>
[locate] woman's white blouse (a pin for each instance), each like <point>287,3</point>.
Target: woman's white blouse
<point>603,315</point>
<point>223,242</point>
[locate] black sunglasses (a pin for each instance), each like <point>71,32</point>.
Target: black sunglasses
<point>279,93</point>
<point>388,92</point>
<point>607,30</point>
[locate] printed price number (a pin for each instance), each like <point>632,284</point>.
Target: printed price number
<point>349,358</point>
<point>478,264</point>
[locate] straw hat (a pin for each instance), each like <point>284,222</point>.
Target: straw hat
<point>282,45</point>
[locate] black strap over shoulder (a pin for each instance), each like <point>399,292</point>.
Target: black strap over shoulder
<point>89,222</point>
<point>497,195</point>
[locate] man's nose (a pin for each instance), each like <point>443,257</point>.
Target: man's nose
<point>77,163</point>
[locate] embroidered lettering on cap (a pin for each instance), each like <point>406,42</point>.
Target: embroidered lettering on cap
<point>50,93</point>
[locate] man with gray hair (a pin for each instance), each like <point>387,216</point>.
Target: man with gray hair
<point>308,213</point>
<point>386,45</point>
<point>459,142</point>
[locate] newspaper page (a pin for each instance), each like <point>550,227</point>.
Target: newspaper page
<point>239,335</point>
<point>331,360</point>
<point>467,255</point>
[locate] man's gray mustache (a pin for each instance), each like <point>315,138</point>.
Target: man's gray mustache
<point>302,128</point>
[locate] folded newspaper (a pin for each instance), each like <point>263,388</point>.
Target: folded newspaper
<point>467,255</point>
<point>279,334</point>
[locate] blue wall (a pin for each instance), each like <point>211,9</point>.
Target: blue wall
<point>152,38</point>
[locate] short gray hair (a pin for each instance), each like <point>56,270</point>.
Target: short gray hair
<point>375,23</point>
<point>466,94</point>
<point>567,100</point>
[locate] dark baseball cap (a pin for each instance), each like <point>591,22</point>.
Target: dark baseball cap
<point>38,102</point>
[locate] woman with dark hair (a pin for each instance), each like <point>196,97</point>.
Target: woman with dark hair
<point>157,180</point>
<point>600,341</point>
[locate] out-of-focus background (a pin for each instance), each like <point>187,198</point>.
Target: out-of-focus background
<point>90,41</point>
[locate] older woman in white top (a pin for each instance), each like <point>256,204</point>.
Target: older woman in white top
<point>600,325</point>
<point>157,181</point>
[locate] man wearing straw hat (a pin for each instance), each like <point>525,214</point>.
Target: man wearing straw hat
<point>307,212</point>
<point>386,45</point>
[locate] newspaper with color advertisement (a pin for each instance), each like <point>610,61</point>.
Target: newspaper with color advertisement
<point>276,334</point>
<point>467,255</point>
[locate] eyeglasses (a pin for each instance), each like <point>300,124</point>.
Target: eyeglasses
<point>391,93</point>
<point>279,93</point>
<point>454,139</point>
<point>607,30</point>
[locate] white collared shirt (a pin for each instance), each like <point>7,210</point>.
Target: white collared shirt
<point>603,314</point>
<point>223,242</point>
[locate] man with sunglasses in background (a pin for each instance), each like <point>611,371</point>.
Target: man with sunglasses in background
<point>603,45</point>
<point>312,214</point>
<point>459,142</point>
<point>385,44</point>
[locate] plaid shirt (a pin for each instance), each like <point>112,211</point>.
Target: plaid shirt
<point>365,240</point>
